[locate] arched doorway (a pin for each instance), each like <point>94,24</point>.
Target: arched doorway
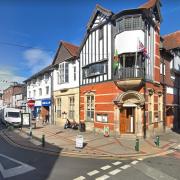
<point>130,104</point>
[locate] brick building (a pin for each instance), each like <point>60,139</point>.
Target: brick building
<point>15,96</point>
<point>170,78</point>
<point>120,85</point>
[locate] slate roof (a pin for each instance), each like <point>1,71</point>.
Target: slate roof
<point>41,72</point>
<point>172,41</point>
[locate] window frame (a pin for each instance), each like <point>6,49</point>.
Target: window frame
<point>72,107</point>
<point>90,112</point>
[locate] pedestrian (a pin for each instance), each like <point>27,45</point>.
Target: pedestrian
<point>47,117</point>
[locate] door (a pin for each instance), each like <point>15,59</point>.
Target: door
<point>127,120</point>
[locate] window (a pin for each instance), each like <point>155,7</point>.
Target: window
<point>34,93</point>
<point>90,108</point>
<point>101,33</point>
<point>40,91</point>
<point>63,74</point>
<point>47,90</point>
<point>74,73</point>
<point>129,23</point>
<point>151,108</point>
<point>163,69</point>
<point>95,69</point>
<point>29,94</point>
<point>58,112</point>
<point>102,118</point>
<point>160,107</point>
<point>71,107</point>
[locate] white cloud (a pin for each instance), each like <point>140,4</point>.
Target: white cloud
<point>37,59</point>
<point>8,76</point>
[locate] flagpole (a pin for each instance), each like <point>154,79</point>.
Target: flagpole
<point>136,56</point>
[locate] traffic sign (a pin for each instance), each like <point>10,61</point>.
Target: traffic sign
<point>31,103</point>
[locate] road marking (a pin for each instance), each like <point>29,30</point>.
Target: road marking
<point>134,162</point>
<point>116,163</point>
<point>125,166</point>
<point>93,172</point>
<point>80,178</point>
<point>105,167</point>
<point>103,177</point>
<point>21,169</point>
<point>114,172</point>
<point>152,172</point>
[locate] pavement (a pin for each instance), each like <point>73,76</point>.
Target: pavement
<point>63,142</point>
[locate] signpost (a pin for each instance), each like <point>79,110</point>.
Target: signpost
<point>31,103</point>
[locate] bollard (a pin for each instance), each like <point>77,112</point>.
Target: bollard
<point>43,140</point>
<point>30,133</point>
<point>137,145</point>
<point>157,142</point>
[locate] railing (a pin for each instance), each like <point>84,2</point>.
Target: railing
<point>128,73</point>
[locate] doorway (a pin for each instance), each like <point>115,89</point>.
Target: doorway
<point>127,120</point>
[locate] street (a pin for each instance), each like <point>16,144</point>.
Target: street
<point>17,164</point>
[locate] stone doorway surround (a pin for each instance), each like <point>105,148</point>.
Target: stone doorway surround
<point>132,99</point>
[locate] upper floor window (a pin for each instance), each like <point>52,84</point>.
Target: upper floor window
<point>74,73</point>
<point>63,73</point>
<point>162,69</point>
<point>40,91</point>
<point>47,90</point>
<point>101,33</point>
<point>29,94</point>
<point>34,93</point>
<point>129,23</point>
<point>95,69</point>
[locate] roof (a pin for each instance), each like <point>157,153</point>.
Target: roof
<point>148,4</point>
<point>172,41</point>
<point>97,9</point>
<point>72,49</point>
<point>41,72</point>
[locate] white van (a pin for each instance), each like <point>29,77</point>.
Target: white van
<point>11,116</point>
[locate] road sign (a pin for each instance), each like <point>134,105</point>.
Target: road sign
<point>31,103</point>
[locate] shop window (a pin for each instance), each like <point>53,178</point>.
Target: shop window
<point>58,110</point>
<point>160,108</point>
<point>151,108</point>
<point>71,107</point>
<point>90,108</point>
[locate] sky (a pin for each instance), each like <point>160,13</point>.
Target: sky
<point>31,30</point>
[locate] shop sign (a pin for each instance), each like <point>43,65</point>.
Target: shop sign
<point>46,102</point>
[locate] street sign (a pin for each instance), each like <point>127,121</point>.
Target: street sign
<point>31,103</point>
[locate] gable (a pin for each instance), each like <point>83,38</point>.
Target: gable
<point>99,16</point>
<point>62,55</point>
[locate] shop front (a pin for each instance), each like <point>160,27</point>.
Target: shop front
<point>46,110</point>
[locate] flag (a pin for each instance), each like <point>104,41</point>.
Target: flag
<point>116,60</point>
<point>142,49</point>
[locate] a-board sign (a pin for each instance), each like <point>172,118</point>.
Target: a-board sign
<point>79,141</point>
<point>25,119</point>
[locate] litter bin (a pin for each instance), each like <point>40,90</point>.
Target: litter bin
<point>82,127</point>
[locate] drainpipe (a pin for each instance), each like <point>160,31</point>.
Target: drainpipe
<point>144,100</point>
<point>164,100</point>
<point>52,100</point>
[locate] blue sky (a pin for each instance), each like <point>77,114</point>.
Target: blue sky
<point>43,23</point>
